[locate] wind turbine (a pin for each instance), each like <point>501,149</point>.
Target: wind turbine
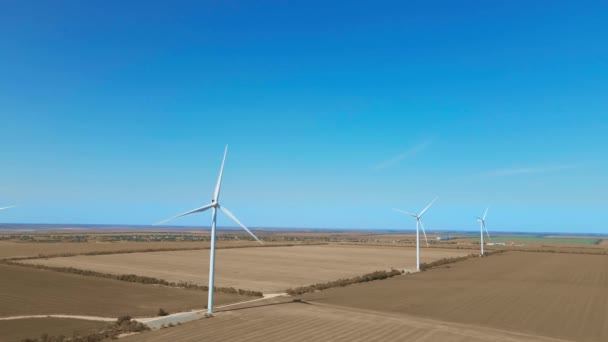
<point>214,206</point>
<point>419,225</point>
<point>482,224</point>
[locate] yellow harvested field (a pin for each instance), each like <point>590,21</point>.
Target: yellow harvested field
<point>313,322</point>
<point>269,270</point>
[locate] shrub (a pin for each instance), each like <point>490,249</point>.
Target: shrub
<point>124,324</point>
<point>162,312</point>
<point>378,275</point>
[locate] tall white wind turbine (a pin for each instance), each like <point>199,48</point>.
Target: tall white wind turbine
<point>214,206</point>
<point>482,226</point>
<point>419,225</point>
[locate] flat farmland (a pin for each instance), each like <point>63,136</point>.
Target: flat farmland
<point>547,294</point>
<point>302,322</point>
<point>10,249</point>
<point>17,330</point>
<point>27,291</point>
<point>269,270</point>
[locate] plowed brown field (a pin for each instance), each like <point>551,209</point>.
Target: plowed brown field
<point>314,322</point>
<point>27,291</point>
<point>268,270</point>
<point>548,294</point>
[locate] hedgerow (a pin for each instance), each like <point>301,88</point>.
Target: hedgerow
<point>133,278</point>
<point>123,324</point>
<point>378,275</point>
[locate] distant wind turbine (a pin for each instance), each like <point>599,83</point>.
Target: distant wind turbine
<point>482,224</point>
<point>214,205</point>
<point>419,225</point>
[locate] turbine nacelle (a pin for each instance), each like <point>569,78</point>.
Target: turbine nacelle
<point>419,218</point>
<point>482,221</point>
<point>215,204</point>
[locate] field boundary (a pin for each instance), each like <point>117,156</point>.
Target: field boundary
<point>380,275</point>
<point>425,266</point>
<point>537,250</point>
<point>133,278</point>
<point>122,325</point>
<point>409,245</point>
<point>152,250</point>
<point>80,317</point>
<point>377,275</point>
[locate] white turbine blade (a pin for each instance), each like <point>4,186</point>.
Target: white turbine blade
<point>405,212</point>
<point>197,210</point>
<point>229,214</point>
<point>12,206</point>
<point>424,232</point>
<point>427,207</point>
<point>216,194</point>
<point>485,214</point>
<point>484,226</point>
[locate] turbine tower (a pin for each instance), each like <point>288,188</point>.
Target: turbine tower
<point>214,206</point>
<point>482,226</point>
<point>419,225</point>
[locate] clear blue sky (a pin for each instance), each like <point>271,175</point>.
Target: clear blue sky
<point>335,113</point>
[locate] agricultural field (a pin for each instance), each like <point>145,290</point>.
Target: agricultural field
<point>555,295</point>
<point>11,249</point>
<point>546,239</point>
<point>301,322</point>
<point>513,296</point>
<point>40,292</point>
<point>270,270</point>
<point>17,330</point>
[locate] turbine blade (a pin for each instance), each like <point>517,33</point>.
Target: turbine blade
<point>216,194</point>
<point>424,232</point>
<point>484,226</point>
<point>405,212</point>
<point>485,214</point>
<point>12,206</point>
<point>427,207</point>
<point>229,214</point>
<point>197,210</point>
